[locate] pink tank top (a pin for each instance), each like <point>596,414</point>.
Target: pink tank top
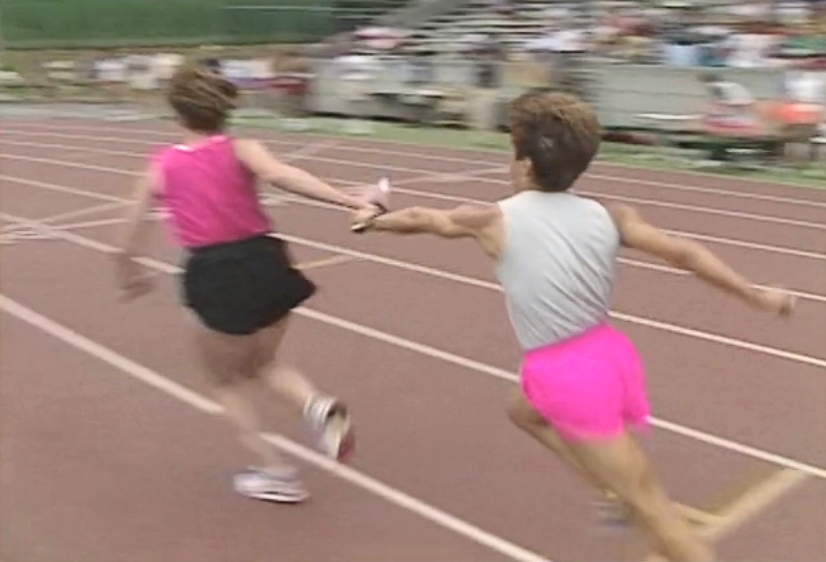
<point>208,194</point>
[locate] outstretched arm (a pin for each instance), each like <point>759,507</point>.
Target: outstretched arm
<point>263,164</point>
<point>688,255</point>
<point>134,235</point>
<point>483,223</point>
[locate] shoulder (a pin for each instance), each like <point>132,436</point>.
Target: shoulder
<point>160,154</point>
<point>476,216</point>
<point>630,223</point>
<point>614,216</point>
<point>484,223</point>
<point>618,212</point>
<point>514,202</point>
<point>253,153</point>
<point>244,146</point>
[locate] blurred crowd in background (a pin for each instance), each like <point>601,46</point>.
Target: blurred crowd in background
<point>678,33</point>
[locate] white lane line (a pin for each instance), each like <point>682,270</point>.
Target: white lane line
<point>189,397</point>
<point>90,224</point>
<point>298,153</point>
<point>460,177</point>
<point>411,151</point>
<point>340,249</point>
<point>71,214</point>
<point>311,149</point>
<point>484,368</point>
<point>716,239</point>
<point>473,365</point>
<point>803,295</point>
<point>66,189</point>
<point>122,200</point>
<point>465,280</point>
<point>649,202</point>
<point>432,175</point>
<point>83,212</point>
<point>25,232</point>
<point>707,210</point>
<point>433,272</point>
<point>424,175</point>
<point>319,204</point>
<point>722,241</point>
<point>751,245</point>
<point>325,262</point>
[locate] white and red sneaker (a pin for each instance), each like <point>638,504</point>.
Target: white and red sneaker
<point>265,485</point>
<point>329,418</point>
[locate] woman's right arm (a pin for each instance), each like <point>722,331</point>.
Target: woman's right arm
<point>638,234</point>
<point>263,164</point>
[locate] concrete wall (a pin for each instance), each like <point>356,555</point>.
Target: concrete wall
<point>623,91</point>
<point>619,91</point>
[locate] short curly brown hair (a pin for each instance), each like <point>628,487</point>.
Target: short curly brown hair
<point>202,99</point>
<point>558,133</point>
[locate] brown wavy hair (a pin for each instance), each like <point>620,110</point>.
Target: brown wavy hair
<point>560,135</point>
<point>202,98</point>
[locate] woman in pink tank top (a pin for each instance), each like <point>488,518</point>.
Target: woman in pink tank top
<point>238,280</point>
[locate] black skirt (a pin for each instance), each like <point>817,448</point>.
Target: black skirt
<point>241,287</point>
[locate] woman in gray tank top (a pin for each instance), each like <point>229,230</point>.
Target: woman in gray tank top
<point>582,383</point>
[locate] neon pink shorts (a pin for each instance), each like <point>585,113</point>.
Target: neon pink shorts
<point>589,387</point>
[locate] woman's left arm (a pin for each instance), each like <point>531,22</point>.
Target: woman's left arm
<point>133,235</point>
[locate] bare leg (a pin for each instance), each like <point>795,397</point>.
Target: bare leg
<point>232,363</point>
<point>241,414</point>
<point>229,360</point>
<point>622,466</point>
<point>326,414</point>
<point>526,418</point>
<point>287,382</point>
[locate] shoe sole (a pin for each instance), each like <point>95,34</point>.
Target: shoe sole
<point>275,497</point>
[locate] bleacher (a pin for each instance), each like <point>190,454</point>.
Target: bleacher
<point>526,20</point>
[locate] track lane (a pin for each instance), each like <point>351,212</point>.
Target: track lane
<point>86,441</point>
<point>740,551</point>
<point>429,415</point>
<point>119,187</point>
<point>496,183</point>
<point>384,149</point>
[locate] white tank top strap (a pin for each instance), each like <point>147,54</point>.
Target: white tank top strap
<point>558,264</point>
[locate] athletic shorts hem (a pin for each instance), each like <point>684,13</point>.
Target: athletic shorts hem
<point>242,329</point>
<point>573,434</point>
<point>591,386</point>
<point>241,287</point>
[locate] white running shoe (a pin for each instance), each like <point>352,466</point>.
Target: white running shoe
<point>263,485</point>
<point>329,418</point>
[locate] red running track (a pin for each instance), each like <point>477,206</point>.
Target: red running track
<point>112,452</point>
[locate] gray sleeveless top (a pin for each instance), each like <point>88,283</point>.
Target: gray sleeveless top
<point>557,266</point>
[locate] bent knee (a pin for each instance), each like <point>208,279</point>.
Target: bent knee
<point>519,410</point>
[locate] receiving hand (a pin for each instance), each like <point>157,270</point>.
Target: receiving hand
<point>363,217</point>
